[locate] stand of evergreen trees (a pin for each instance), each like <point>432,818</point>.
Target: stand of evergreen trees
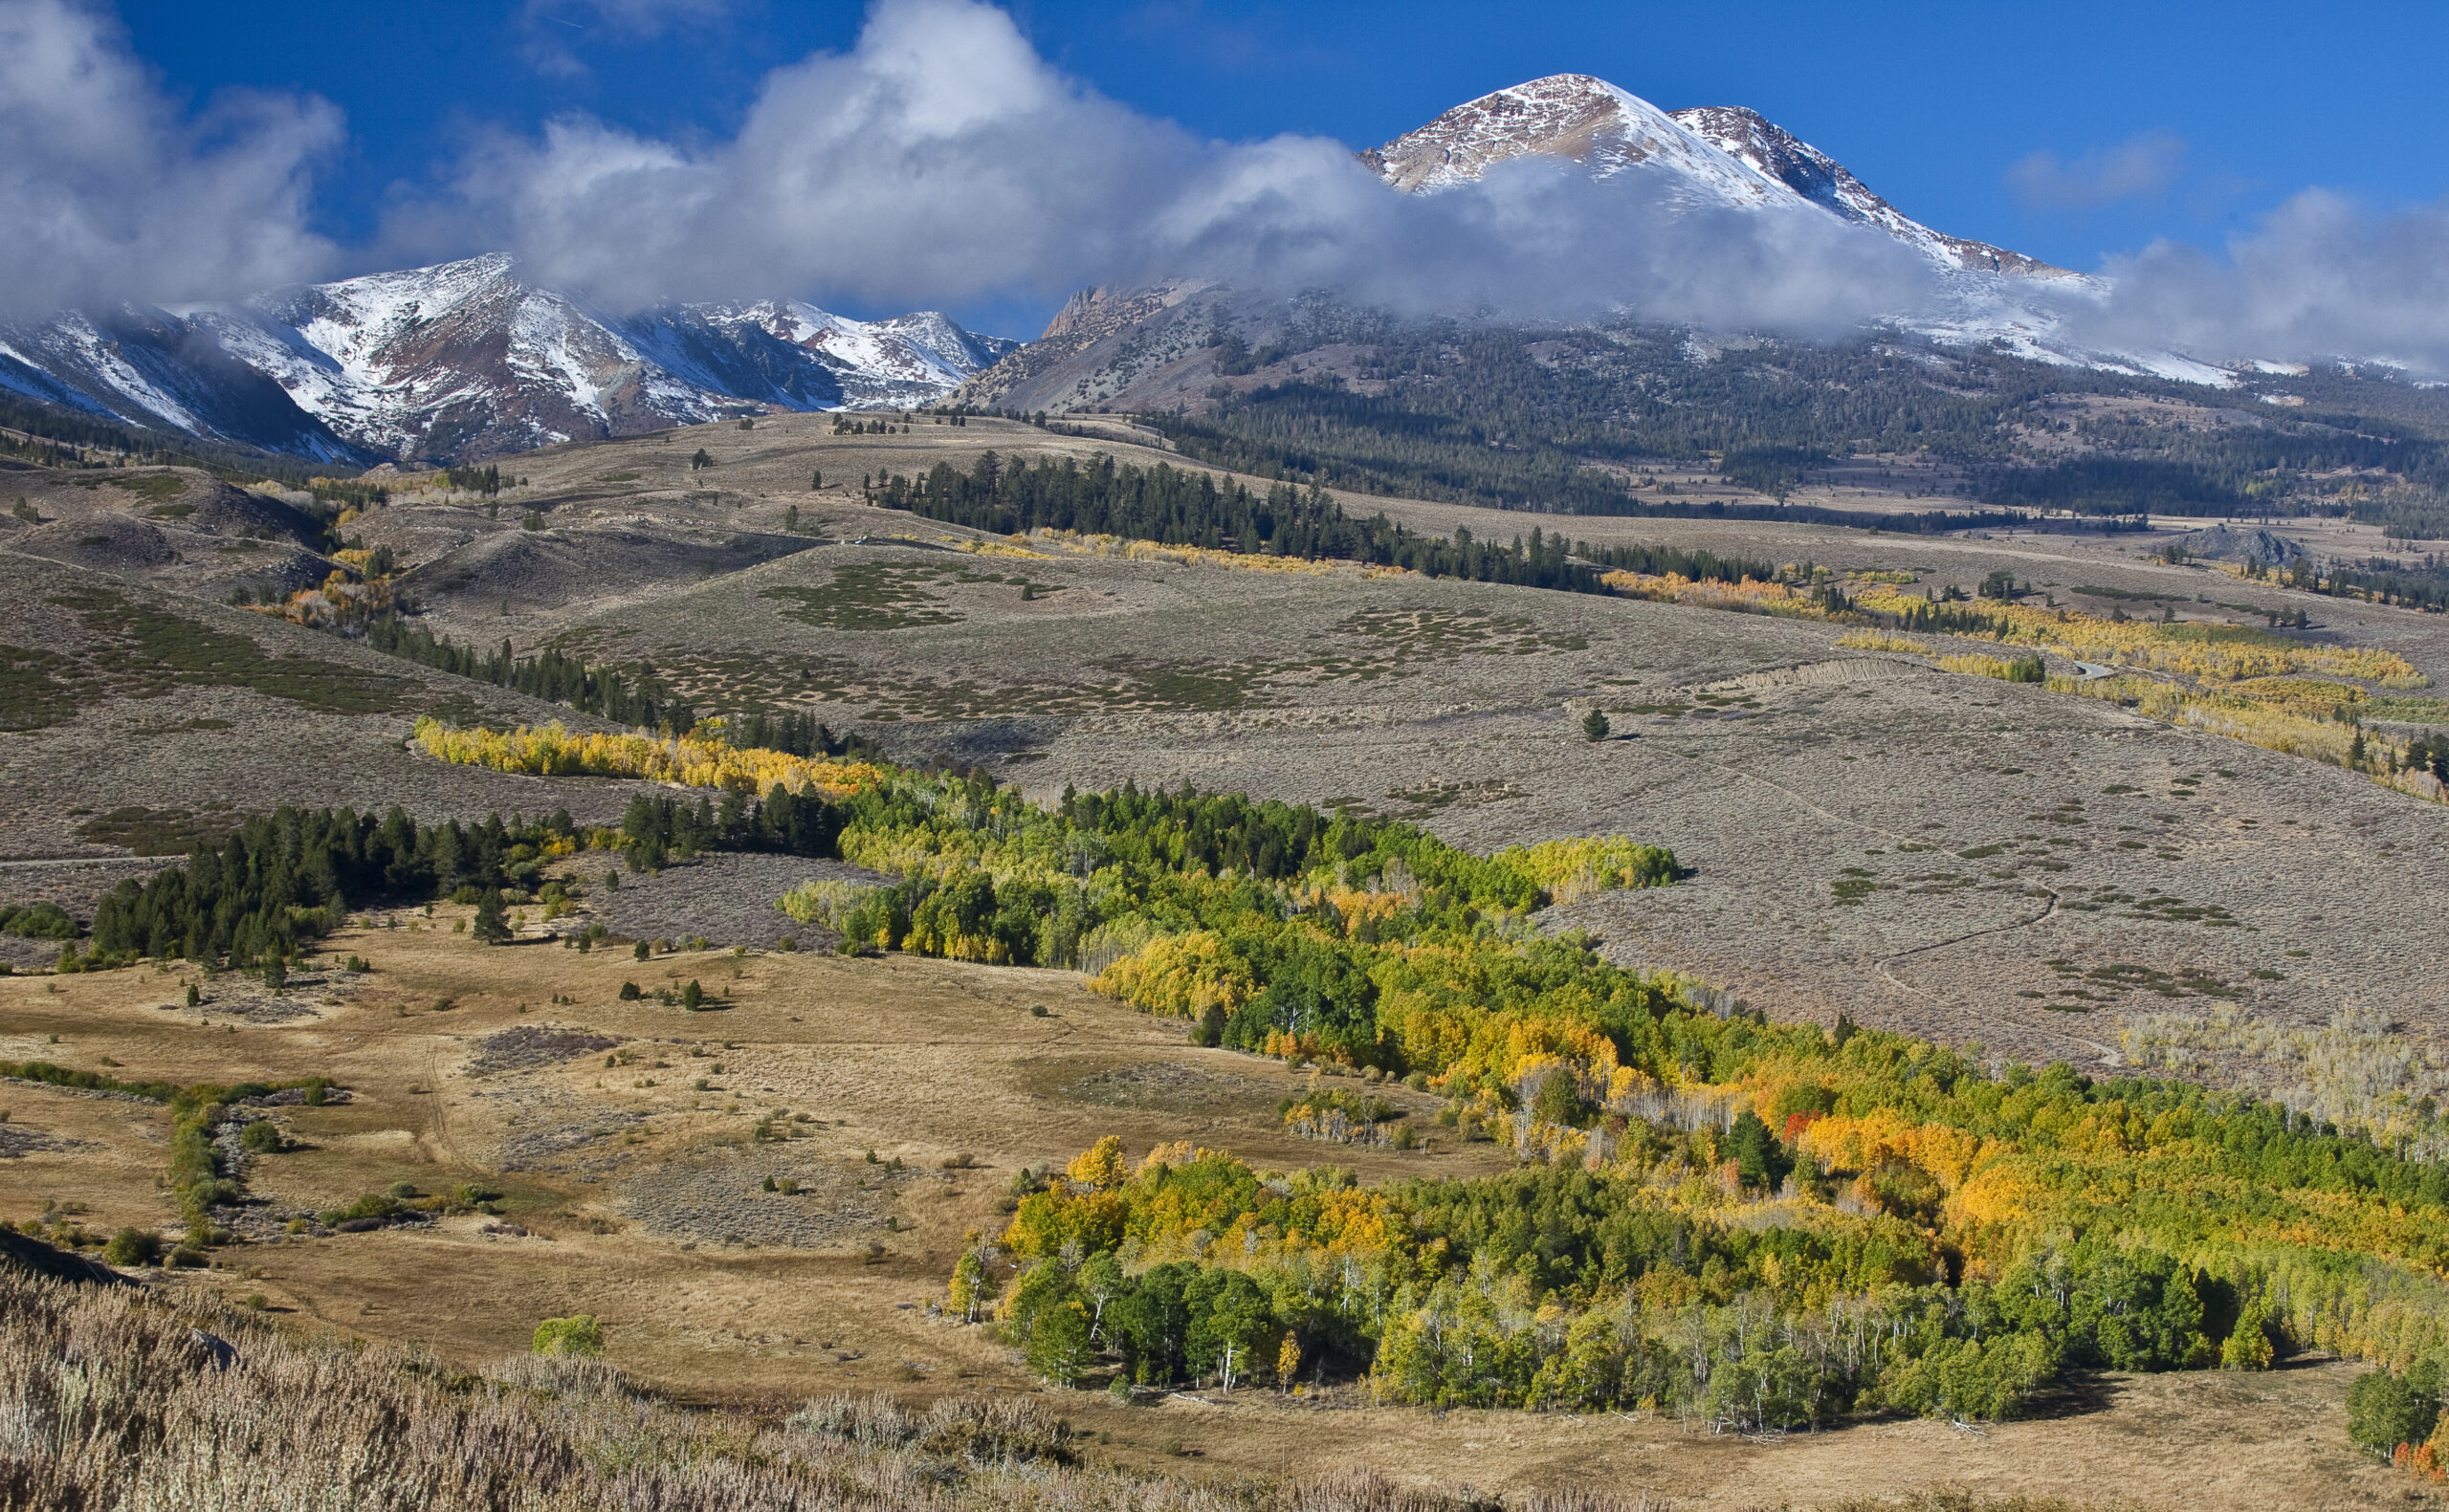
<point>2430,752</point>
<point>656,830</point>
<point>2375,579</point>
<point>1910,522</point>
<point>796,733</point>
<point>634,696</point>
<point>1701,566</point>
<point>2264,470</point>
<point>1177,508</point>
<point>292,875</point>
<point>637,697</point>
<point>59,437</point>
<point>1173,507</point>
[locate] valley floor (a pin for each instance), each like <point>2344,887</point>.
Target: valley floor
<point>643,1204</point>
<point>1950,855</point>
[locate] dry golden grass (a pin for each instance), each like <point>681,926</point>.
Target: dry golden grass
<point>1881,640</point>
<point>111,1400</point>
<point>917,1061</point>
<point>1976,664</point>
<point>924,1061</point>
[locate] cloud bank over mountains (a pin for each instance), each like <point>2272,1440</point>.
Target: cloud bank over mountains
<point>113,190</point>
<point>942,160</point>
<point>2321,278</point>
<point>940,154</point>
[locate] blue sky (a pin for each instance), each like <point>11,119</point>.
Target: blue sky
<point>2073,131</point>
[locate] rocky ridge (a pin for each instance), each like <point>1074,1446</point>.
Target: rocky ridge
<point>467,360</point>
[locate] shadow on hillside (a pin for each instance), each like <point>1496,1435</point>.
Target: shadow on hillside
<point>2077,1394</point>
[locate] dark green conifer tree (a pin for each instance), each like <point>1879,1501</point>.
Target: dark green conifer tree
<point>490,926</point>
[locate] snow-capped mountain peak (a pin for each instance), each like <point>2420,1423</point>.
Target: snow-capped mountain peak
<point>1712,156</point>
<point>1721,158</point>
<point>467,359</point>
<point>1782,158</point>
<point>893,361</point>
<point>1568,115</point>
<point>458,359</point>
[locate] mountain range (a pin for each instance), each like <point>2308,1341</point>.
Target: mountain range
<point>469,359</point>
<point>1143,348</point>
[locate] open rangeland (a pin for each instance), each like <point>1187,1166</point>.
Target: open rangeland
<point>629,1143</point>
<point>1869,835</point>
<point>1865,834</point>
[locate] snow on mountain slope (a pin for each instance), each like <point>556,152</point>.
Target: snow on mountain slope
<point>1727,156</point>
<point>157,369</point>
<point>457,360</point>
<point>865,365</point>
<point>1712,156</point>
<point>1606,129</point>
<point>1782,158</point>
<point>466,360</point>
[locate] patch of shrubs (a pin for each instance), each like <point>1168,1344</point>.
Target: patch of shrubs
<point>980,1431</point>
<point>579,1334</point>
<point>132,1246</point>
<point>368,1212</point>
<point>41,921</point>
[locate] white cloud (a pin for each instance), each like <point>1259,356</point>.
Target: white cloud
<point>942,161</point>
<point>2141,167</point>
<point>555,28</point>
<point>2321,278</point>
<point>938,159</point>
<point>113,191</point>
<point>1533,238</point>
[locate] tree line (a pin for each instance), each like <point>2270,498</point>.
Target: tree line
<point>1556,1287</point>
<point>637,696</point>
<point>286,878</point>
<point>657,830</point>
<point>794,731</point>
<point>485,480</point>
<point>59,437</point>
<point>2376,580</point>
<point>1178,508</point>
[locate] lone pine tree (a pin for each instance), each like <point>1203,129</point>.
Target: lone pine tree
<point>489,926</point>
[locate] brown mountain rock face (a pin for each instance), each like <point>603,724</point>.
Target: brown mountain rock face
<point>1086,337</point>
<point>1570,116</point>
